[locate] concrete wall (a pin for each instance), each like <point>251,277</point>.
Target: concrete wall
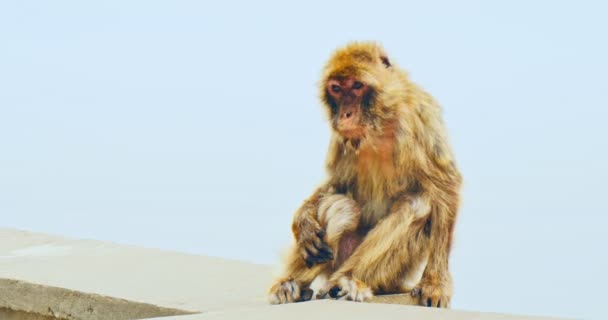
<point>85,279</point>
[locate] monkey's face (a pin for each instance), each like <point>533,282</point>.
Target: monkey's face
<point>349,98</point>
<point>354,89</point>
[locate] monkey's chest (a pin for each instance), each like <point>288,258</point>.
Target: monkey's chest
<point>376,183</point>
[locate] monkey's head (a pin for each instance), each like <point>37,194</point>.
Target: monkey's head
<point>354,82</point>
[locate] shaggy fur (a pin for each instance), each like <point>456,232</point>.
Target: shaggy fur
<point>383,221</point>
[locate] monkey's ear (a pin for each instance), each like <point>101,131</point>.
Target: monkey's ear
<point>385,61</point>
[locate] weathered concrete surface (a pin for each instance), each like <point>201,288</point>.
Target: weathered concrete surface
<point>9,314</point>
<point>71,277</point>
<point>328,309</point>
<point>167,279</point>
<point>68,304</point>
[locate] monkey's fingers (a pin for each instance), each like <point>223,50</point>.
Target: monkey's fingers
<point>319,244</point>
<point>322,247</point>
<point>324,255</point>
<point>313,255</point>
<point>311,250</point>
<point>326,251</point>
<point>305,256</point>
<point>312,259</point>
<point>321,232</point>
<point>311,229</point>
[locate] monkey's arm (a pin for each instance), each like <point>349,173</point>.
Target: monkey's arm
<point>395,244</point>
<point>307,231</point>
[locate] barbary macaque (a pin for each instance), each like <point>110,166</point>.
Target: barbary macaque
<point>384,219</point>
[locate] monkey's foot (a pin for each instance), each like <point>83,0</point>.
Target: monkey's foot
<point>433,294</point>
<point>346,288</point>
<point>286,291</point>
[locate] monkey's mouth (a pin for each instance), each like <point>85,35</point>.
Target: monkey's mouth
<point>351,133</point>
<point>350,127</point>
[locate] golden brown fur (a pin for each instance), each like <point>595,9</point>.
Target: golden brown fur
<point>383,221</point>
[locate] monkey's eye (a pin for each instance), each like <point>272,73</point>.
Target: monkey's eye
<point>357,85</point>
<point>336,88</point>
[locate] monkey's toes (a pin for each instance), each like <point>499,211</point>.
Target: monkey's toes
<point>431,297</point>
<point>416,292</point>
<point>328,290</point>
<point>306,294</point>
<point>348,289</point>
<point>284,292</point>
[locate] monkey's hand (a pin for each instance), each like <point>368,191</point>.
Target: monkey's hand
<point>434,292</point>
<point>309,240</point>
<point>346,288</point>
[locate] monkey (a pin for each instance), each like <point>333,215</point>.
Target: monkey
<point>383,220</point>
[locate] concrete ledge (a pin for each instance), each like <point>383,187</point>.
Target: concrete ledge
<point>70,304</point>
<point>59,278</point>
<point>167,279</point>
<point>403,299</point>
<point>332,309</point>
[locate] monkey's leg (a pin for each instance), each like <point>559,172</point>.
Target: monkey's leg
<point>435,287</point>
<point>395,244</point>
<point>338,215</point>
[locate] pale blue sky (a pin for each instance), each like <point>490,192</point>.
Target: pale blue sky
<point>195,126</point>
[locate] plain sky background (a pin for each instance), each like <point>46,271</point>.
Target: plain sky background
<point>195,126</point>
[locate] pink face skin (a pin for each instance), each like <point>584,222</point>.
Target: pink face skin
<point>348,94</point>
